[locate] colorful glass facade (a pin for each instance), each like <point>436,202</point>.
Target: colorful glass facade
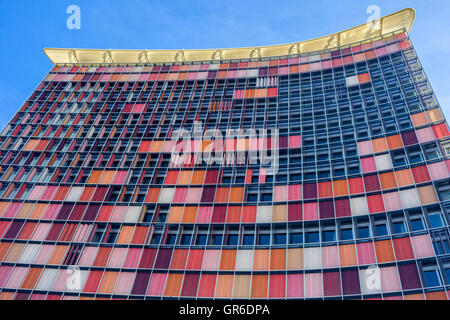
<point>94,183</point>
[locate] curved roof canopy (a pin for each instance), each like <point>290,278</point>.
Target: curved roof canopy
<point>398,21</point>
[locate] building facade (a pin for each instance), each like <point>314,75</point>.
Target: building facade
<point>314,170</point>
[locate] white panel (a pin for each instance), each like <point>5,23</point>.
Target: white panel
<point>383,162</point>
<point>264,214</point>
<point>359,206</point>
<point>29,253</point>
<point>75,193</point>
<point>133,214</point>
<point>214,66</point>
<point>47,278</point>
<point>410,198</point>
<point>244,259</point>
<point>312,258</point>
<point>352,81</point>
<point>252,73</point>
<point>166,195</point>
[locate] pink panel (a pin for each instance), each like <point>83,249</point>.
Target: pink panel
<point>194,195</point>
<point>326,64</point>
<point>422,246</point>
<point>365,147</point>
<point>180,195</point>
<point>119,177</point>
<point>366,253</point>
<point>4,273</point>
<point>118,213</point>
<point>313,285</point>
<point>88,255</point>
<point>41,231</point>
<point>48,193</point>
<point>16,277</point>
<point>12,210</point>
<point>157,283</point>
<point>283,70</point>
<point>44,254</point>
<point>294,286</point>
<point>204,215</point>
<point>381,51</point>
<point>211,260</point>
<point>295,192</point>
<point>168,146</point>
<point>330,257</point>
<point>36,193</point>
<point>51,211</point>
<point>368,165</point>
<point>310,211</point>
<point>392,48</point>
<point>124,282</point>
<point>280,193</point>
<point>390,280</point>
<point>60,281</point>
<point>438,170</point>
<point>116,258</point>
<point>392,201</point>
<point>295,142</point>
<point>132,259</point>
<point>425,134</point>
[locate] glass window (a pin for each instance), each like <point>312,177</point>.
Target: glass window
<point>329,235</point>
<point>296,238</point>
<point>399,227</point>
<point>435,220</point>
<point>346,234</point>
<point>381,230</point>
<point>312,237</point>
<point>364,232</point>
<point>431,278</point>
<point>417,224</point>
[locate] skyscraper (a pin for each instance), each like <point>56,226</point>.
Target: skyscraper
<point>316,169</point>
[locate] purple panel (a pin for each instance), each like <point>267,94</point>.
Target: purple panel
<point>163,259</point>
<point>350,282</point>
<point>77,212</point>
<point>219,214</point>
<point>91,212</point>
<point>335,54</point>
<point>309,191</point>
<point>212,74</point>
<point>342,208</point>
<point>295,212</point>
<point>99,194</point>
<point>283,142</point>
<point>326,209</point>
<point>262,72</point>
<point>190,285</point>
<point>371,183</point>
<point>140,282</point>
<point>331,284</point>
<point>208,194</point>
<point>54,232</point>
<point>86,77</point>
<point>147,259</point>
<point>409,138</point>
<point>64,212</point>
<point>14,230</point>
<point>409,276</point>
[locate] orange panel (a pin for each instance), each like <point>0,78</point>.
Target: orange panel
<point>189,214</point>
<point>179,259</point>
<point>234,214</point>
<point>440,295</point>
<point>31,278</point>
<point>384,251</point>
<point>325,189</point>
<point>259,286</point>
<point>140,234</point>
<point>228,260</point>
<point>198,177</point>
<point>152,195</point>
<point>125,234</point>
<point>404,177</point>
<point>419,119</point>
<point>236,194</point>
<point>58,255</point>
<point>278,259</point>
<point>387,180</point>
<point>347,254</point>
<point>394,142</point>
<point>340,188</point>
<point>184,177</point>
<point>279,213</point>
<point>222,195</point>
<point>261,259</point>
<point>224,285</point>
<point>173,284</point>
<point>108,282</point>
<point>379,145</point>
<point>95,176</point>
<point>175,214</point>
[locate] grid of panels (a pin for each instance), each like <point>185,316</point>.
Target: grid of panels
<point>89,179</point>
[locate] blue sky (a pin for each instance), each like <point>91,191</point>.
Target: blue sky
<point>26,27</point>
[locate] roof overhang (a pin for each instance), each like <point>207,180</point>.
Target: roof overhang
<point>395,22</point>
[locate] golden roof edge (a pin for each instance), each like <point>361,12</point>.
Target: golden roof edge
<point>400,20</point>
